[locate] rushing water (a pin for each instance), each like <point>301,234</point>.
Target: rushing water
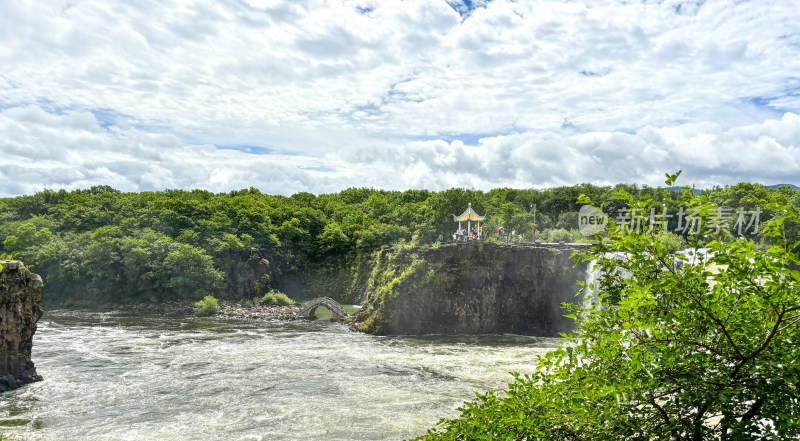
<point>109,377</point>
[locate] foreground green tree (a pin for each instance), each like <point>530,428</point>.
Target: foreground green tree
<point>669,348</point>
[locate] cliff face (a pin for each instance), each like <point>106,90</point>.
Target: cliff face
<point>20,294</point>
<point>481,288</point>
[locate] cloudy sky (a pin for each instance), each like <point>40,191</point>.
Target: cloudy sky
<point>321,95</point>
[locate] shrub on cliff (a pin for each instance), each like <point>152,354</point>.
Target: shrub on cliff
<point>671,241</point>
<point>670,349</point>
<point>555,235</point>
<point>275,297</point>
<point>208,306</point>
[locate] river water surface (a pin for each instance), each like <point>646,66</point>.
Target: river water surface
<point>110,377</point>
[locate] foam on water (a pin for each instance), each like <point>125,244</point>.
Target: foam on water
<point>122,378</point>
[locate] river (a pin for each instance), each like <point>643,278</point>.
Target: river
<point>111,377</point>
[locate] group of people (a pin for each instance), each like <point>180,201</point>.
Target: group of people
<point>465,235</point>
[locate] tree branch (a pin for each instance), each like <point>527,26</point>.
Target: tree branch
<point>664,414</point>
<point>703,308</point>
<point>754,409</point>
<point>772,333</point>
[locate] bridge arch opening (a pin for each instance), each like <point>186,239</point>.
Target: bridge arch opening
<point>316,307</point>
<point>322,313</point>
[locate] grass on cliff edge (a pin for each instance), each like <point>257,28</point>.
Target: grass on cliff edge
<point>674,352</point>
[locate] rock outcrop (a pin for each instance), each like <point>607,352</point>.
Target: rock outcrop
<point>476,288</point>
<point>20,294</point>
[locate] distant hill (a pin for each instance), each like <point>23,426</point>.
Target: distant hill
<point>697,191</point>
<point>792,186</point>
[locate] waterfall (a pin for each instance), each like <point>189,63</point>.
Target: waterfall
<point>591,286</point>
<point>593,276</point>
<point>364,294</point>
<point>690,256</point>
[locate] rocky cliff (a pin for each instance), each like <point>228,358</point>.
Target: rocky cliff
<point>475,288</point>
<point>20,294</point>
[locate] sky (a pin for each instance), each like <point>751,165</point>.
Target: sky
<point>323,95</point>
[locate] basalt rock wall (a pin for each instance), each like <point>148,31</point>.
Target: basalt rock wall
<point>20,294</point>
<point>476,288</point>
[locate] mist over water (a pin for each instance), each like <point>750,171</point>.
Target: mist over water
<point>109,377</point>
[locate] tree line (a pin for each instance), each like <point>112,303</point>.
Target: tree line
<point>100,246</point>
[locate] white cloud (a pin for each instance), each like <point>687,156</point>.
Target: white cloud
<point>767,152</point>
<point>72,150</point>
<point>583,91</point>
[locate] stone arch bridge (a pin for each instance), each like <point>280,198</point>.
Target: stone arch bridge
<point>309,308</point>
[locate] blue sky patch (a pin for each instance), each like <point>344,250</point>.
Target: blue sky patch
<point>688,8</point>
<point>50,106</point>
<point>765,104</point>
<point>465,7</point>
<point>569,125</point>
<point>109,118</point>
<point>466,138</point>
<point>252,149</point>
<point>319,168</point>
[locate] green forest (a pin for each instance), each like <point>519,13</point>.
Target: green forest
<point>100,247</point>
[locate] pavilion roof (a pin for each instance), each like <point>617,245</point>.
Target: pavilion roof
<point>469,215</point>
